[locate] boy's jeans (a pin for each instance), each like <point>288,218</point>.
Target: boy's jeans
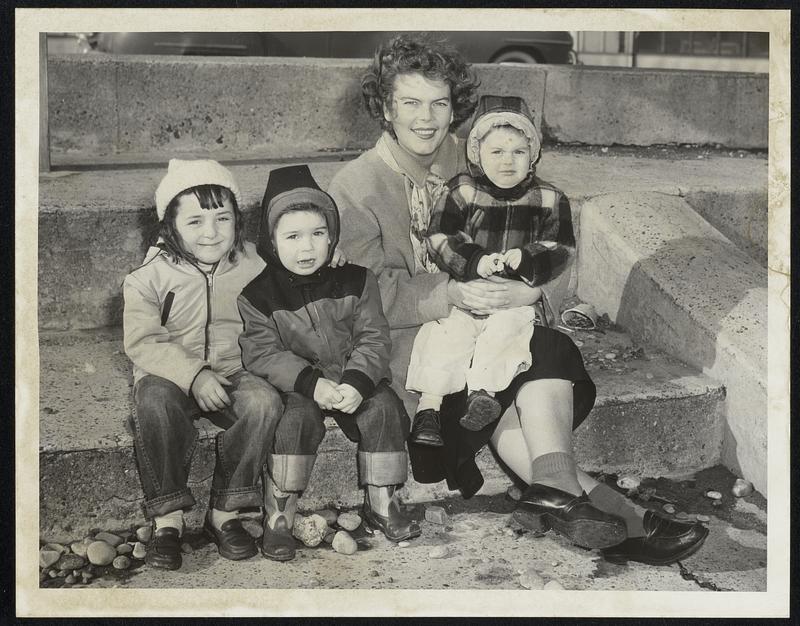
<point>380,426</point>
<point>165,438</point>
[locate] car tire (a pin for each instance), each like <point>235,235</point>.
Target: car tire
<point>516,56</point>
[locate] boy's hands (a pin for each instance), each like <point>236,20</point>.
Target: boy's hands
<point>338,258</point>
<point>351,399</point>
<point>326,394</point>
<point>209,392</point>
<point>512,258</point>
<point>490,264</point>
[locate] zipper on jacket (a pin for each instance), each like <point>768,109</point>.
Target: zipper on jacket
<point>209,289</point>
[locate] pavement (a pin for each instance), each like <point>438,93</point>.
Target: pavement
<point>484,549</point>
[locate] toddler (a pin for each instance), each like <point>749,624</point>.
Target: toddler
<point>319,335</point>
<point>499,219</point>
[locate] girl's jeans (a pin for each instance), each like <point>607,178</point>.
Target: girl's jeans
<point>380,425</point>
<point>165,438</point>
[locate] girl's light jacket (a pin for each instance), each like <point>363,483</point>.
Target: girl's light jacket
<point>178,319</point>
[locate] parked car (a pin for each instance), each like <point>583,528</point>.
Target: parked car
<point>477,46</point>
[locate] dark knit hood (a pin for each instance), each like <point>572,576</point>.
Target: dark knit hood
<point>288,186</point>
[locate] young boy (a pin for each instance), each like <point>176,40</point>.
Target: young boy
<point>499,219</point>
<point>319,335</point>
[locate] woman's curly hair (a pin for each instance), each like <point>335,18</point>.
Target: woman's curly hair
<point>418,53</point>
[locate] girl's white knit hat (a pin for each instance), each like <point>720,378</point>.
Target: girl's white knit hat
<point>185,174</point>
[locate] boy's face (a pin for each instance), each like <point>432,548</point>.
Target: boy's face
<point>505,156</point>
<point>302,241</point>
<point>208,234</point>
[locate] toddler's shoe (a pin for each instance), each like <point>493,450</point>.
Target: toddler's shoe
<point>426,429</point>
<point>164,549</point>
<point>482,409</point>
<point>233,541</point>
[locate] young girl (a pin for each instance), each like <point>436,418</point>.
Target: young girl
<point>181,326</point>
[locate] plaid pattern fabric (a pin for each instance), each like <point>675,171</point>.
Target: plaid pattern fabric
<point>477,218</point>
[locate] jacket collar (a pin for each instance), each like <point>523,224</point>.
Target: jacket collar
<point>512,193</point>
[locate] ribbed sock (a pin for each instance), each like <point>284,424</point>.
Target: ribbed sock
<point>429,401</point>
<point>170,520</point>
<point>556,469</point>
<point>610,501</point>
<point>218,518</point>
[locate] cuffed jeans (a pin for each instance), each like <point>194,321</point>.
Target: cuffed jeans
<point>165,439</point>
<point>380,425</point>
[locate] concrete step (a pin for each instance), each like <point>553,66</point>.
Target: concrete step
<point>675,282</point>
<point>94,226</point>
<point>654,417</point>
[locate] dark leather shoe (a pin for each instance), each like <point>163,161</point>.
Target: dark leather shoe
<point>482,410</point>
<point>233,541</point>
<point>666,542</point>
<point>278,543</point>
<point>164,549</point>
<point>396,526</point>
<point>426,430</point>
<point>542,507</point>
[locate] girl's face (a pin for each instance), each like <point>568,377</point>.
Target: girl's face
<point>420,113</point>
<point>302,241</point>
<point>208,234</point>
<point>505,156</point>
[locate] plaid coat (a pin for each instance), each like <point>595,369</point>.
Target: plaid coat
<point>478,218</point>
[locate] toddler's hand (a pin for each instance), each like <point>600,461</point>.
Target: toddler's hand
<point>338,258</point>
<point>490,264</point>
<point>513,258</point>
<point>326,394</point>
<point>351,399</point>
<point>209,392</point>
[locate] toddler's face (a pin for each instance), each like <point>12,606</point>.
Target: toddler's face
<point>302,241</point>
<point>505,156</point>
<point>208,234</point>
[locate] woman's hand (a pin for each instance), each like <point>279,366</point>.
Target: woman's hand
<point>488,295</point>
<point>519,294</point>
<point>338,259</point>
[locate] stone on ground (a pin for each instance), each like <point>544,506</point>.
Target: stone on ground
<point>100,553</point>
<point>349,521</point>
<point>436,515</point>
<point>144,533</point>
<point>70,562</point>
<point>121,562</point>
<point>110,538</point>
<point>139,550</point>
<point>344,543</point>
<point>79,547</point>
<point>310,530</point>
<point>48,557</point>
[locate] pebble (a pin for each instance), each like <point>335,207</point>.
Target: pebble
<point>110,538</point>
<point>682,515</point>
<point>716,503</point>
<point>742,488</point>
<point>52,573</point>
<point>122,562</point>
<point>553,585</point>
<point>144,533</point>
<point>124,548</point>
<point>48,557</point>
<point>531,579</point>
<point>70,579</point>
<point>628,482</point>
<point>714,495</point>
<point>343,543</point>
<point>438,552</point>
<point>186,548</point>
<point>55,547</point>
<point>403,544</point>
<point>579,343</point>
<point>610,355</point>
<point>436,515</point>
<point>703,518</point>
<point>100,553</point>
<point>649,376</point>
<point>139,550</point>
<point>348,521</point>
<point>79,547</point>
<point>669,509</point>
<point>514,492</point>
<point>307,531</point>
<point>329,516</point>
<point>70,562</point>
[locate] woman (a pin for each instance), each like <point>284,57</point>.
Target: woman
<point>421,91</point>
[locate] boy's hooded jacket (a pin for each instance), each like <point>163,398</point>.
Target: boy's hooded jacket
<point>329,324</point>
<point>477,218</point>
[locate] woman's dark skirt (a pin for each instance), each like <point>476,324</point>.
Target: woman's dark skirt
<point>554,356</point>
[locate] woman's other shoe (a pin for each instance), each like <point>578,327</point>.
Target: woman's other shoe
<point>665,542</point>
<point>426,429</point>
<point>542,508</point>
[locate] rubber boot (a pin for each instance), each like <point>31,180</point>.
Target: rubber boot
<point>393,524</point>
<point>278,543</point>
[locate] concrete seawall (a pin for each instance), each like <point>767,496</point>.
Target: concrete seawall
<point>140,106</point>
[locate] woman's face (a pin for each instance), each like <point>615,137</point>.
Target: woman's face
<point>420,113</point>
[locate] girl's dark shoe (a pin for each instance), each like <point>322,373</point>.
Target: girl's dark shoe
<point>482,409</point>
<point>396,526</point>
<point>164,549</point>
<point>426,430</point>
<point>278,543</point>
<point>666,541</point>
<point>233,541</point>
<point>542,507</point>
